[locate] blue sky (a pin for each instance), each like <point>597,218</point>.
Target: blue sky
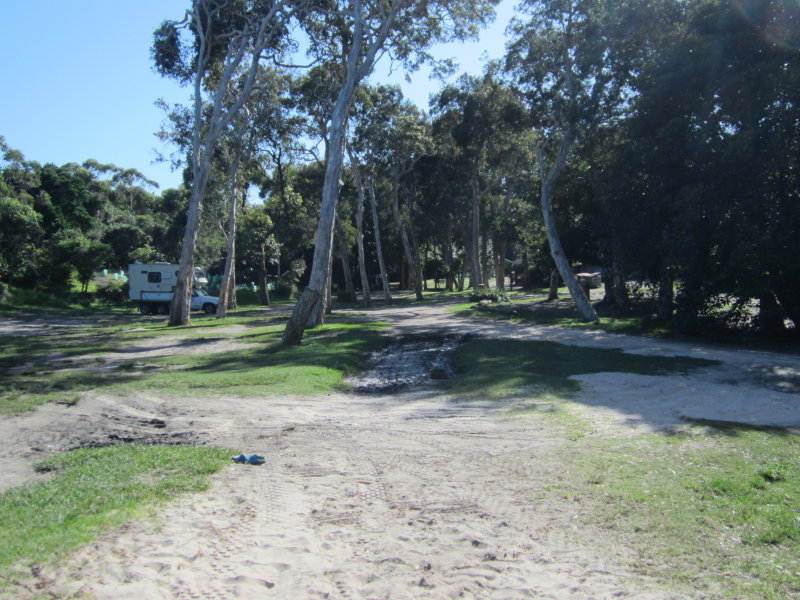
<point>78,82</point>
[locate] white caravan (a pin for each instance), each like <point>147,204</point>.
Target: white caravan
<point>151,286</point>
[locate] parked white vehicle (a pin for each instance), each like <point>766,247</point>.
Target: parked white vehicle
<point>151,286</point>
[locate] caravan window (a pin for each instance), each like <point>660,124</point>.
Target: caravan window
<point>154,277</point>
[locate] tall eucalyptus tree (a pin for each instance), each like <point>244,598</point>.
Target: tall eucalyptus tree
<point>350,36</point>
<point>215,43</point>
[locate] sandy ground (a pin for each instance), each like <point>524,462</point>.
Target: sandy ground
<point>409,495</point>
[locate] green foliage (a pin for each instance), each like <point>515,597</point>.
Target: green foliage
<point>20,235</point>
<point>287,285</point>
<point>90,491</point>
<point>110,290</point>
<point>481,294</point>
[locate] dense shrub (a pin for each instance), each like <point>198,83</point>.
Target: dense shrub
<point>489,294</point>
<point>110,290</point>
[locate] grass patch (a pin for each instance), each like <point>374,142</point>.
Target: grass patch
<point>93,490</point>
<point>500,368</point>
<point>318,365</point>
<point>563,314</point>
<point>721,501</point>
<point>266,368</point>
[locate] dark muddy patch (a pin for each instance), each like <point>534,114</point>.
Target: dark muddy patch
<point>409,362</point>
<point>112,430</point>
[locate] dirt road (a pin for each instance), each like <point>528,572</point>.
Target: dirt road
<point>410,495</point>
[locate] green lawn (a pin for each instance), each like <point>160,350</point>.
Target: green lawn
<point>90,491</point>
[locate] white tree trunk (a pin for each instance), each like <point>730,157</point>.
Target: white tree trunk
<point>359,64</point>
<point>387,294</point>
<point>254,38</point>
<point>362,268</point>
<point>585,308</point>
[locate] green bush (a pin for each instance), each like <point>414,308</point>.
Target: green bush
<point>110,290</point>
<point>286,287</point>
<point>20,297</point>
<point>480,294</point>
<point>246,296</point>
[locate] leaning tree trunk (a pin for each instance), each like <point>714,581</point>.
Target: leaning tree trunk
<point>357,66</point>
<point>387,295</point>
<point>344,253</point>
<point>310,308</point>
<point>328,304</point>
<point>362,268</point>
<point>585,308</point>
<point>212,128</point>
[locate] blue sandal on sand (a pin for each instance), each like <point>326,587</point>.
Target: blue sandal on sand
<point>253,459</point>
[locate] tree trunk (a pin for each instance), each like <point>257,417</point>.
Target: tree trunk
<point>263,285</point>
<point>212,128</point>
<point>328,305</point>
<point>487,260</point>
<point>770,315</point>
<point>233,301</point>
<point>357,66</point>
<point>500,265</point>
<point>585,308</point>
<point>501,244</point>
<point>476,278</point>
<point>344,253</point>
<point>554,281</point>
<point>419,279</point>
<point>179,307</point>
<point>296,325</point>
<point>387,295</point>
<point>447,253</point>
<point>412,266</point>
<point>666,296</point>
<point>227,287</point>
<point>362,268</point>
<point>526,270</point>
<point>619,285</point>
<point>310,308</point>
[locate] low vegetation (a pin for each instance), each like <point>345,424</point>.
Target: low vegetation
<point>498,368</point>
<point>92,490</point>
<point>47,368</point>
<point>708,506</point>
<point>711,506</point>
